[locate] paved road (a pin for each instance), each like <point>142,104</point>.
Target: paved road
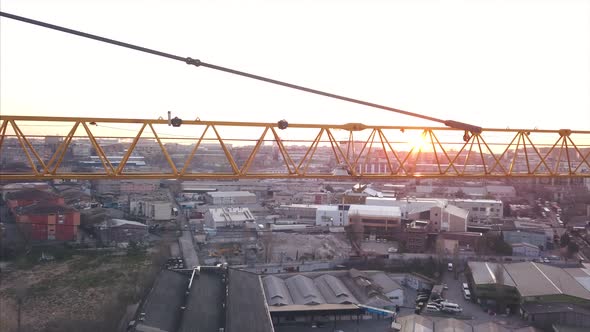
<point>188,250</point>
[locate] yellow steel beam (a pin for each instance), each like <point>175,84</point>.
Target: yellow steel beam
<point>385,152</point>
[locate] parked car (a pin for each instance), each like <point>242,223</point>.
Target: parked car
<point>467,294</point>
<point>451,307</point>
<point>432,308</point>
<point>421,299</point>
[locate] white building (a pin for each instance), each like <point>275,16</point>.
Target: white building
<point>441,214</point>
<point>332,215</point>
<point>480,209</point>
<point>230,197</point>
<point>152,208</point>
<point>228,217</point>
<point>525,249</point>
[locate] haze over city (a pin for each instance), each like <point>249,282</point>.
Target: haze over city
<point>252,207</point>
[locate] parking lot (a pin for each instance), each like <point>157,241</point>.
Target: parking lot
<point>471,309</point>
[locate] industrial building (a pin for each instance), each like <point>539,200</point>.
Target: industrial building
<point>389,287</point>
<point>452,325</point>
<point>48,221</point>
<point>442,215</point>
<point>535,237</point>
<point>155,207</point>
<point>161,310</point>
<point>535,289</point>
<point>230,198</point>
<point>298,211</point>
<point>376,219</point>
<point>332,215</point>
<point>21,198</point>
<point>228,217</point>
<point>121,230</point>
<point>417,323</point>
<point>525,249</point>
<point>480,210</point>
<point>322,296</point>
<point>15,187</point>
<point>544,315</point>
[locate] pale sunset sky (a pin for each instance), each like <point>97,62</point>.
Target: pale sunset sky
<point>498,64</point>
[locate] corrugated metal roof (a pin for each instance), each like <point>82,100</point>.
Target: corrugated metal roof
<point>333,290</point>
<point>304,291</point>
<point>385,282</point>
<point>534,279</point>
<point>484,273</point>
<point>415,323</point>
<point>231,194</point>
<point>276,291</point>
<point>452,325</point>
<point>489,327</point>
<point>121,222</point>
<point>456,211</point>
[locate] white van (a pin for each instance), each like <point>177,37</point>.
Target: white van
<point>467,294</point>
<point>432,308</point>
<point>465,286</point>
<point>450,267</point>
<point>451,307</point>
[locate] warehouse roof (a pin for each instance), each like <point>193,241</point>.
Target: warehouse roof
<point>524,244</point>
<point>527,329</point>
<point>30,194</point>
<point>489,327</point>
<point>45,208</point>
<point>415,323</point>
<point>276,291</point>
<point>303,290</point>
<point>123,222</point>
<point>385,282</point>
<point>545,308</point>
<point>246,291</point>
<point>485,273</point>
<point>231,194</point>
<point>456,211</point>
<point>534,279</point>
<point>334,290</point>
<point>452,325</point>
<point>375,211</point>
<point>231,214</point>
<point>581,275</point>
<point>162,305</point>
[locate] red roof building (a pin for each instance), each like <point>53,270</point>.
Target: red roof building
<point>48,221</point>
<point>22,198</point>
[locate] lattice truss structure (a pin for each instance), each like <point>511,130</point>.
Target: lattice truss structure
<point>33,148</point>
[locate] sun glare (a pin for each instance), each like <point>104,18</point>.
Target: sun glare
<point>418,142</point>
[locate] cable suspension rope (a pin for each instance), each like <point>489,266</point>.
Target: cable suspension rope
<point>199,63</point>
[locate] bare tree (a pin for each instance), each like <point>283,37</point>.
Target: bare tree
<point>355,232</point>
<point>266,239</point>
